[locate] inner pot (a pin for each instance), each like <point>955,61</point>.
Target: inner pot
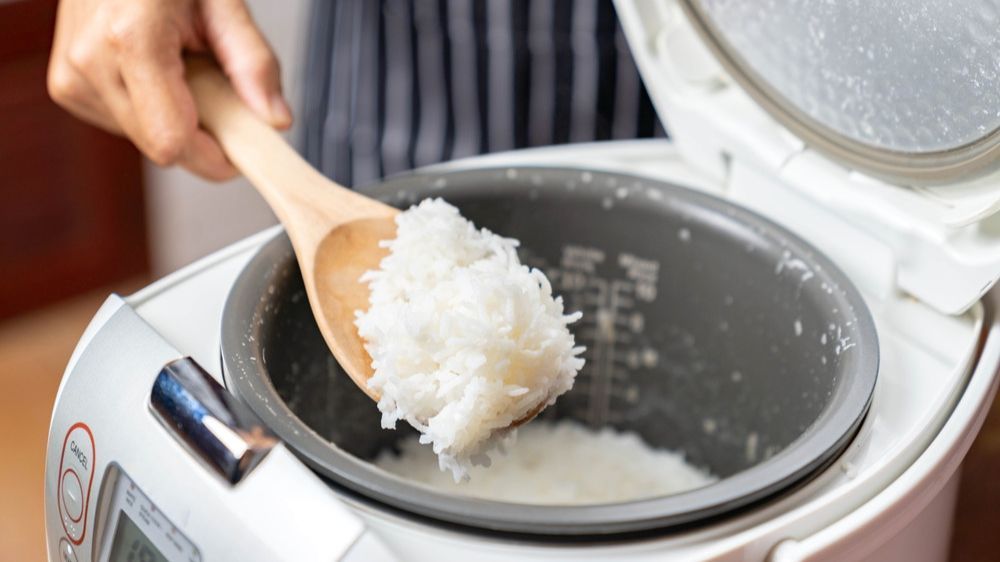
<point>709,330</point>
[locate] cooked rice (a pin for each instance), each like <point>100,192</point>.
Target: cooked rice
<point>560,464</point>
<point>464,339</point>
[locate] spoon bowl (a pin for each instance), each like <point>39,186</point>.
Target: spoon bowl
<point>340,260</point>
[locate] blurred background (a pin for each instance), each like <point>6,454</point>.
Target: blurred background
<point>83,215</point>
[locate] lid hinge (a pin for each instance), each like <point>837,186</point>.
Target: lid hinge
<point>869,262</point>
<point>947,267</point>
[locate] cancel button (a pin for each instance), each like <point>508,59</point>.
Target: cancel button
<point>72,495</point>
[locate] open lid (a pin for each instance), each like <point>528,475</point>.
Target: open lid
<point>884,113</point>
<point>907,90</point>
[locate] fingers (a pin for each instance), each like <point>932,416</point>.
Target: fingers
<point>103,69</point>
<point>203,156</point>
<point>247,59</point>
<point>114,95</point>
<point>118,64</point>
<point>158,112</point>
<point>152,73</point>
<point>76,95</point>
<point>66,85</point>
<point>163,111</point>
<point>95,59</point>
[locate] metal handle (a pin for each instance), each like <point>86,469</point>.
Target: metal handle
<point>212,423</point>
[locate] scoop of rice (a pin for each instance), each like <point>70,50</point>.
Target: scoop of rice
<point>464,339</point>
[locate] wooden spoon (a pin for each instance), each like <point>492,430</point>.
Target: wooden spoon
<point>335,231</point>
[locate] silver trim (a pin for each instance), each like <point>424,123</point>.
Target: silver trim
<point>209,421</point>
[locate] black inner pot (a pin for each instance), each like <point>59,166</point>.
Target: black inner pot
<point>709,329</point>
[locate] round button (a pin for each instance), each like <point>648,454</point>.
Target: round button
<point>72,495</point>
<point>66,553</point>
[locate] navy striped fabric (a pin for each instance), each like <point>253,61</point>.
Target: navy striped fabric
<point>396,84</point>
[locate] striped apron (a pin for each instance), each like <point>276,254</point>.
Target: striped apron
<point>394,84</point>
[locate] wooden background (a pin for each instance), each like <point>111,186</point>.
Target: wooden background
<point>72,216</point>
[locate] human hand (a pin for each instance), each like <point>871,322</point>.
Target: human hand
<point>119,64</point>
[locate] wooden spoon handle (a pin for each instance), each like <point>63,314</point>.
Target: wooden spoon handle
<point>306,202</point>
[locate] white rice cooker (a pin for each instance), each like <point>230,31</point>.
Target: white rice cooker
<point>869,131</point>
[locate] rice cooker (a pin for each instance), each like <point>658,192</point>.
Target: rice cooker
<point>793,291</point>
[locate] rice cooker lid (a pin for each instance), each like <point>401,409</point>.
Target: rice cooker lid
<point>884,115</point>
<point>907,90</point>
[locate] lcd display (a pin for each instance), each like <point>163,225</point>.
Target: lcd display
<point>132,545</point>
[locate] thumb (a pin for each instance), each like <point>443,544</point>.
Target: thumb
<point>246,58</point>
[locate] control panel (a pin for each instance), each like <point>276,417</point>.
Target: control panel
<point>127,476</point>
